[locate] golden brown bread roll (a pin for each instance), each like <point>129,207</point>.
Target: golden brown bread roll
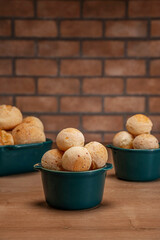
<point>123,139</point>
<point>145,141</point>
<point>6,138</point>
<point>93,166</point>
<point>76,159</point>
<point>26,133</point>
<point>99,154</point>
<point>69,137</point>
<point>34,121</point>
<point>10,117</point>
<point>52,160</point>
<point>139,124</point>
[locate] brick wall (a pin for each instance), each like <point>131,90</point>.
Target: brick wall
<point>85,64</point>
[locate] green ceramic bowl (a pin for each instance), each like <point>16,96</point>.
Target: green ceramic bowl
<point>136,164</point>
<point>21,158</point>
<point>73,190</point>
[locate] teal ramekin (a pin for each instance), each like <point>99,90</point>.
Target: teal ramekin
<point>136,164</point>
<point>16,159</point>
<point>73,190</point>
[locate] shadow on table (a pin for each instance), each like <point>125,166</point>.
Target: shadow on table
<point>43,205</point>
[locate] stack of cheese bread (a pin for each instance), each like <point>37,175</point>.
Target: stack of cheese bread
<point>73,155</point>
<point>14,129</point>
<point>138,136</point>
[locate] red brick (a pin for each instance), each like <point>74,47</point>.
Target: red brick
<point>156,123</point>
<point>155,28</point>
<point>103,85</point>
<point>143,8</point>
<point>17,85</point>
<point>36,67</point>
<point>108,137</point>
<point>126,28</point>
<point>102,123</point>
<point>5,29</point>
<point>16,8</point>
<point>58,122</point>
<point>5,67</point>
<point>143,86</point>
<point>124,104</point>
<point>81,67</point>
<point>154,104</point>
<point>16,48</point>
<point>35,28</point>
<point>125,67</point>
<point>80,28</point>
<point>103,48</point>
<point>58,48</point>
<point>37,104</point>
<point>58,86</point>
<point>93,137</point>
<point>81,104</point>
<point>104,9</point>
<point>144,48</point>
<point>58,9</point>
<point>6,100</point>
<point>155,67</point>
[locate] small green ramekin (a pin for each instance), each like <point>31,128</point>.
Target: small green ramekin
<point>73,190</point>
<point>136,164</point>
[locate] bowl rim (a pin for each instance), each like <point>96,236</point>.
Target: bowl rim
<point>48,140</point>
<point>107,167</point>
<point>133,150</point>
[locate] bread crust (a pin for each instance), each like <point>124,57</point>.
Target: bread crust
<point>123,139</point>
<point>6,138</point>
<point>69,137</point>
<point>10,117</point>
<point>145,141</point>
<point>52,159</point>
<point>34,121</point>
<point>98,154</point>
<point>76,159</point>
<point>139,124</point>
<point>26,133</point>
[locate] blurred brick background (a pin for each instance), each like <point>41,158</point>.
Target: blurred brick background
<point>83,64</point>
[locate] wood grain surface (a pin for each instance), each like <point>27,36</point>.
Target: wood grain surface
<point>129,210</point>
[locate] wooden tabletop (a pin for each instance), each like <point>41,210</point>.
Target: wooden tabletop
<point>129,210</point>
